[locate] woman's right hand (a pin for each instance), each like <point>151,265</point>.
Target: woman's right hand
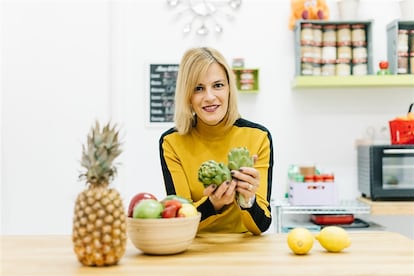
<point>222,195</point>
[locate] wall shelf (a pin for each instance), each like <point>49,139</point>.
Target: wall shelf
<point>247,79</point>
<point>353,81</point>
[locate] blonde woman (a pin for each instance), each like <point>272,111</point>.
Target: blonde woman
<point>207,126</point>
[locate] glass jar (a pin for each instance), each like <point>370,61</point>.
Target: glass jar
<point>343,67</point>
<point>359,67</point>
<point>358,33</point>
<point>317,52</point>
<point>246,74</point>
<point>359,51</point>
<point>317,34</point>
<point>306,34</point>
<point>246,85</point>
<point>307,51</point>
<point>343,33</point>
<point>344,51</point>
<point>402,44</point>
<point>307,67</point>
<point>402,63</point>
<point>317,67</point>
<point>238,63</point>
<point>329,34</point>
<point>328,68</point>
<point>411,39</point>
<point>328,51</point>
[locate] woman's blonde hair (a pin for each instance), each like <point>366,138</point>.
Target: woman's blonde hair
<point>194,63</point>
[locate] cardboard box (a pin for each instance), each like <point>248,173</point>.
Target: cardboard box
<point>313,193</point>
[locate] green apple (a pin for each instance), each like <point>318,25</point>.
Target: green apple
<point>148,208</point>
<point>136,199</point>
<point>176,197</point>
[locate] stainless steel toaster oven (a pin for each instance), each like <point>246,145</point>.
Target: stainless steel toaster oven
<point>386,172</point>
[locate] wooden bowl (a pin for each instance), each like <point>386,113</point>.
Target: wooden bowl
<point>162,236</point>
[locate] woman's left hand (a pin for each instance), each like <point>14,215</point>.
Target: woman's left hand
<point>248,180</point>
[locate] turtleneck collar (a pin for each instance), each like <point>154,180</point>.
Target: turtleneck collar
<point>211,132</point>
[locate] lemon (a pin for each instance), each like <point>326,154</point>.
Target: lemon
<point>300,240</point>
<point>333,238</point>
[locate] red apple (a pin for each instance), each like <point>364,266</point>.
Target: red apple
<point>383,64</point>
<point>136,199</point>
<point>169,211</point>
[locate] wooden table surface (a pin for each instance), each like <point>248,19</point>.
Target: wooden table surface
<point>371,253</point>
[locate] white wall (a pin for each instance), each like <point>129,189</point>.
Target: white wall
<point>65,63</point>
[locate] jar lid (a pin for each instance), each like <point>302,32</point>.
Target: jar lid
<point>344,26</point>
<point>308,178</point>
<point>307,59</point>
<point>329,27</point>
<point>357,26</point>
<point>307,25</point>
<point>359,61</point>
<point>344,43</point>
<point>328,61</point>
<point>318,178</point>
<point>359,44</point>
<point>402,54</point>
<point>403,31</point>
<point>412,54</point>
<point>244,81</point>
<point>343,60</point>
<point>329,44</point>
<point>316,26</point>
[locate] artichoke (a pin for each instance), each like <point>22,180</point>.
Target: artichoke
<point>212,172</point>
<point>239,157</point>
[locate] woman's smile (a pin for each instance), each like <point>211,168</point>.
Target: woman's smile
<point>211,108</point>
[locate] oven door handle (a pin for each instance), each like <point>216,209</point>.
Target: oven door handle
<point>398,151</point>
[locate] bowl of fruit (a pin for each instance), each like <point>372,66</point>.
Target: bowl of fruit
<point>161,227</point>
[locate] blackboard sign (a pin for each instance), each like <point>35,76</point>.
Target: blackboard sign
<point>162,90</point>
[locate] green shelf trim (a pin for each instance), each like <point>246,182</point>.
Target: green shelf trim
<point>353,81</point>
<point>248,91</point>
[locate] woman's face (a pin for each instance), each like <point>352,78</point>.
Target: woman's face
<point>210,97</point>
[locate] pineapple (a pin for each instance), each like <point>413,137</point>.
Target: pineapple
<point>99,224</point>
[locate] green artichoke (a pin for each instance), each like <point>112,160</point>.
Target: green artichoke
<point>212,172</point>
<point>239,157</point>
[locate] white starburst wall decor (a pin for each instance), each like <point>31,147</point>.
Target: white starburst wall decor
<point>204,16</point>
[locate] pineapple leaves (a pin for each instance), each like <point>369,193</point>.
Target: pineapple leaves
<point>98,156</point>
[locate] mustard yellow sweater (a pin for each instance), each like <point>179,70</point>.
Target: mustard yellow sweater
<point>182,155</point>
